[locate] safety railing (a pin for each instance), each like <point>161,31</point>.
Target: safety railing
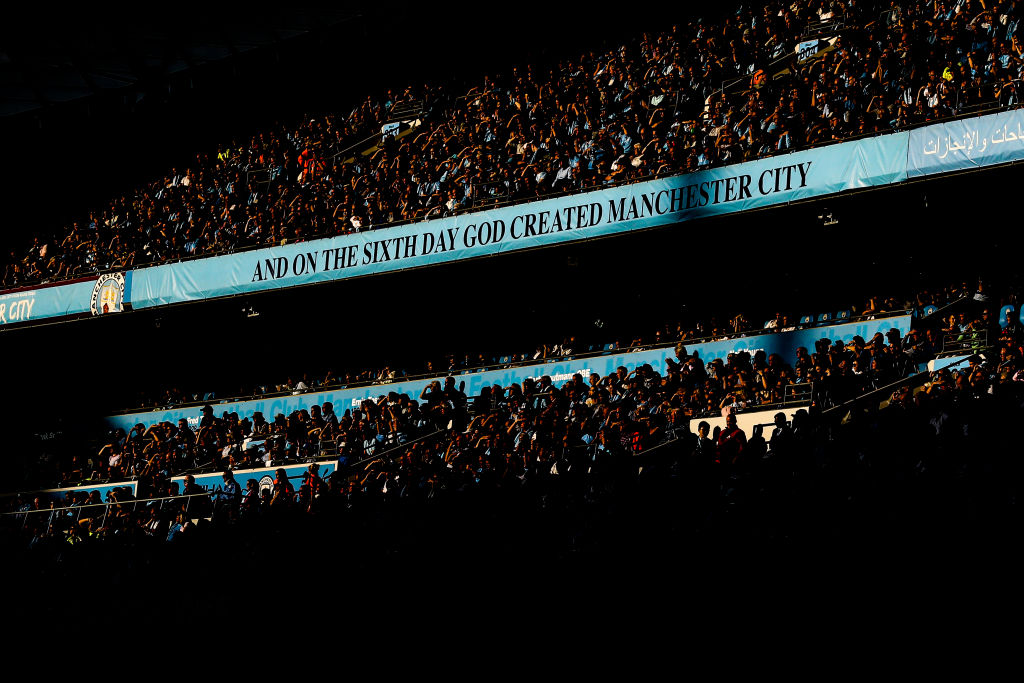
<point>939,313</point>
<point>818,28</point>
<point>884,393</point>
<point>404,110</point>
<point>388,454</point>
<point>792,395</point>
<point>493,191</point>
<point>74,512</point>
<point>959,343</point>
<point>877,395</point>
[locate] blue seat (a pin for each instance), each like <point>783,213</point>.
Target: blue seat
<point>609,346</point>
<point>807,320</point>
<point>1006,315</point>
<point>504,359</point>
<point>842,315</point>
<point>929,309</point>
<point>824,318</point>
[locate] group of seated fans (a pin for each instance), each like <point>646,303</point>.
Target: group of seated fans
<point>587,436</point>
<point>518,436</point>
<point>829,374</point>
<point>664,334</point>
<point>653,106</point>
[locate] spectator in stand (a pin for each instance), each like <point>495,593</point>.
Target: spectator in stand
<point>229,497</point>
<point>284,492</point>
<point>731,442</point>
<point>652,106</point>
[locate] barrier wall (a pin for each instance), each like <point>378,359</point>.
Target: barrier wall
<point>783,343</point>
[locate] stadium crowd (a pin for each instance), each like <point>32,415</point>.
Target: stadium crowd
<point>581,445</point>
<point>697,95</point>
<point>586,411</point>
<point>666,333</point>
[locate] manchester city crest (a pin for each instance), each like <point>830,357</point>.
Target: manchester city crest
<point>108,294</point>
<point>266,484</point>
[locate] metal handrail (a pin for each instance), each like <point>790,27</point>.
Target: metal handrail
<point>956,343</point>
<point>912,380</point>
<point>789,399</point>
<point>106,504</point>
<point>939,312</point>
<point>819,28</point>
<point>386,455</point>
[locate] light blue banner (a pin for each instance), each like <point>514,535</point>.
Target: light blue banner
<point>28,305</point>
<point>783,343</point>
<point>766,182</point>
<point>965,144</point>
<point>949,361</point>
<point>108,293</point>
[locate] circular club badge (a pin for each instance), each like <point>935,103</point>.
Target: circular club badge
<point>108,294</point>
<point>266,484</point>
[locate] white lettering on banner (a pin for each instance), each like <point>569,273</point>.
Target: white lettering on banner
<point>971,142</point>
<point>566,376</point>
<point>15,311</point>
